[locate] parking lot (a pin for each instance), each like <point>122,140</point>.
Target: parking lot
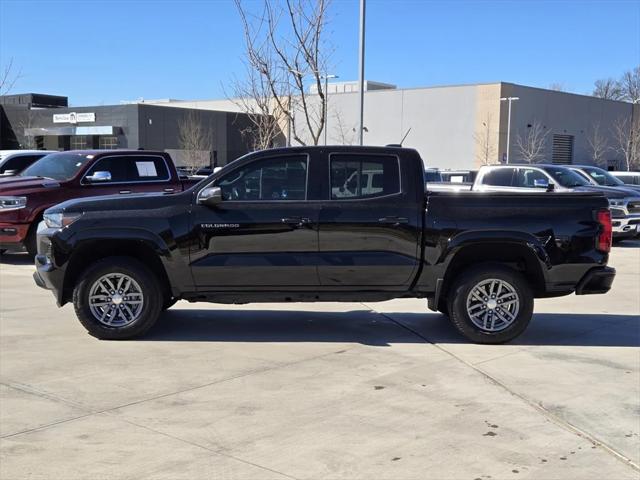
<point>341,391</point>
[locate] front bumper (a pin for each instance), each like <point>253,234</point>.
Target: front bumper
<point>12,235</point>
<point>596,280</point>
<point>626,227</point>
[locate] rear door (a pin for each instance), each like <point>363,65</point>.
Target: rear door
<point>369,222</point>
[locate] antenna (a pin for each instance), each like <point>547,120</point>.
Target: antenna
<point>405,136</point>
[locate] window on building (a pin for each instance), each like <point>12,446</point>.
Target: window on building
<point>562,149</point>
<point>360,176</point>
<point>79,142</point>
<point>270,179</point>
<point>108,143</point>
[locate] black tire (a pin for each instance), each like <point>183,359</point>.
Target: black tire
<point>465,283</point>
<point>151,294</point>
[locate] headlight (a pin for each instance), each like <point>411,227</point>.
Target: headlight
<point>12,203</point>
<point>616,203</point>
<point>60,220</point>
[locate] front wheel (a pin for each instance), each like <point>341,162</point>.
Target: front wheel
<point>490,304</point>
<point>117,298</point>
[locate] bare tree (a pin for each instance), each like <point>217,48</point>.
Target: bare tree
<point>627,138</point>
<point>8,77</point>
<point>531,146</point>
<point>195,139</point>
<point>284,45</point>
<point>253,97</point>
<point>345,134</point>
<point>485,146</point>
<point>607,88</point>
<point>25,125</point>
<point>598,145</point>
<point>630,85</point>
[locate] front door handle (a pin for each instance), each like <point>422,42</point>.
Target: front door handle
<point>125,191</point>
<point>396,221</point>
<point>297,221</point>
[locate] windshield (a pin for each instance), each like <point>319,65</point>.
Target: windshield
<point>567,178</point>
<point>602,177</point>
<point>58,166</point>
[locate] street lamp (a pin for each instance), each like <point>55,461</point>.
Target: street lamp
<point>326,103</point>
<point>509,99</point>
<point>361,71</point>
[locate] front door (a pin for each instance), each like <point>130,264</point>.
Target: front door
<point>370,227</point>
<point>264,232</point>
<point>135,173</point>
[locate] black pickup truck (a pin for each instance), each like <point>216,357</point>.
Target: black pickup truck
<point>324,224</point>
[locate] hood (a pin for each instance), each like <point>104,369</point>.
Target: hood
<point>117,203</point>
<point>609,192</point>
<point>17,185</point>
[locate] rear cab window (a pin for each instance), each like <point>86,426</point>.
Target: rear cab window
<point>499,177</point>
<point>363,176</point>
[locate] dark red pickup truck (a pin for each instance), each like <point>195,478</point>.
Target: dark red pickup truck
<point>75,174</point>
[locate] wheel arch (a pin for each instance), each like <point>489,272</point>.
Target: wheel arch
<point>85,253</point>
<point>524,257</point>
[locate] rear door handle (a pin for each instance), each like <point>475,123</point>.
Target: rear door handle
<point>393,220</point>
<point>169,190</point>
<point>125,191</point>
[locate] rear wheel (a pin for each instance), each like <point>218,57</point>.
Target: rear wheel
<point>490,303</point>
<point>117,298</point>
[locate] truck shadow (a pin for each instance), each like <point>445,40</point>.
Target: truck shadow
<point>370,328</point>
<point>15,259</point>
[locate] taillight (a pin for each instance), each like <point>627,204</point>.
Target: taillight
<point>606,233</point>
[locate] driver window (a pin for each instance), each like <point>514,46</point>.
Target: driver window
<point>527,177</point>
<point>270,179</point>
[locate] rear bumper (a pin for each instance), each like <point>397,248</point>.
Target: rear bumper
<point>596,280</point>
<point>12,235</point>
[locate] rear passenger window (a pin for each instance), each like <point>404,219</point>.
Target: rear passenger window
<point>361,176</point>
<point>500,177</point>
<point>132,168</point>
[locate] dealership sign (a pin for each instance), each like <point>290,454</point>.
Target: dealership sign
<point>74,117</point>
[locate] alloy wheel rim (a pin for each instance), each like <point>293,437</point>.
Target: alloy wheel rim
<point>116,300</point>
<point>493,305</point>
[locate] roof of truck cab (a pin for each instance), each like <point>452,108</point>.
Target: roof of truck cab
<point>116,151</point>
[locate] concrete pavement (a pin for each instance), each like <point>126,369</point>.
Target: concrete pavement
<point>337,391</point>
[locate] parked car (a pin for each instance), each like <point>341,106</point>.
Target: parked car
<point>63,175</point>
<point>268,228</point>
<point>628,178</point>
<point>432,175</point>
<point>458,176</point>
<point>12,162</point>
<point>625,203</point>
<point>599,176</point>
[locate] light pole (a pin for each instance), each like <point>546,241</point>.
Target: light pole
<point>326,103</point>
<point>509,99</point>
<point>361,68</point>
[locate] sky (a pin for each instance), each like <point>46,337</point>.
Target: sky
<point>104,52</point>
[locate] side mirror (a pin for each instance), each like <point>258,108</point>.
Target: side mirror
<point>210,196</point>
<point>8,173</point>
<point>551,187</point>
<point>99,177</point>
